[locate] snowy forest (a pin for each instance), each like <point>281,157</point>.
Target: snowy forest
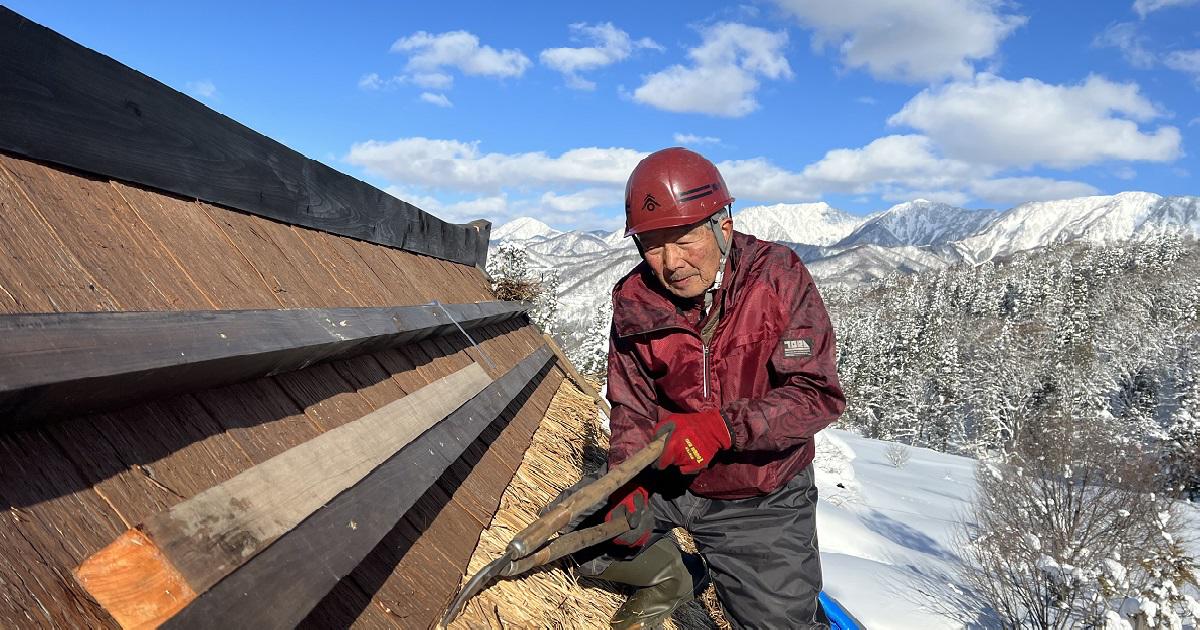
<point>969,359</point>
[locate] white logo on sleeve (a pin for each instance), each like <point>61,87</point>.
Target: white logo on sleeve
<point>797,348</point>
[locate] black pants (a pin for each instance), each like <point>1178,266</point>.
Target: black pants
<point>762,551</point>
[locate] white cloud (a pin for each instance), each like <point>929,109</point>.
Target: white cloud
<point>759,179</point>
<point>373,82</point>
<point>920,41</point>
<point>583,200</point>
<point>575,210</point>
<point>204,89</point>
<point>429,53</point>
<point>866,100</point>
<point>427,203</point>
<point>456,165</point>
<point>994,121</point>
<point>723,76</point>
<point>436,99</point>
<point>610,45</point>
<point>433,80</point>
<point>1125,37</point>
<point>909,160</point>
<point>1146,7</point>
<point>478,208</point>
<point>370,82</point>
<point>1187,61</point>
<point>691,139</point>
<point>430,81</point>
<point>1015,190</point>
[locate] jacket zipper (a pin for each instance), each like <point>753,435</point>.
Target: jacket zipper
<point>681,329</point>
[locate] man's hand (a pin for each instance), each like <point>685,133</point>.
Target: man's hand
<point>632,502</point>
<point>694,439</point>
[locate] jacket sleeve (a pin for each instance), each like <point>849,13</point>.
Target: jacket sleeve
<point>805,394</point>
<point>631,395</point>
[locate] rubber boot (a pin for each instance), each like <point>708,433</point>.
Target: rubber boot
<point>665,577</point>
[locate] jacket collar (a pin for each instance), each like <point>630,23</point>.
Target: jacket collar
<point>642,305</point>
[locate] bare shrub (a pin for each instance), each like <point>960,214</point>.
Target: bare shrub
<point>1069,527</point>
<point>897,455</point>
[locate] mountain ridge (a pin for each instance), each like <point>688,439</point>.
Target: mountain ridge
<point>840,248</point>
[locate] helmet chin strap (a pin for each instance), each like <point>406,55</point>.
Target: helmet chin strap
<point>714,223</point>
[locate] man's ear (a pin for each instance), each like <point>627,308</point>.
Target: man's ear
<point>727,229</point>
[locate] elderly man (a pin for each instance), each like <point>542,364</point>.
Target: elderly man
<point>722,341</point>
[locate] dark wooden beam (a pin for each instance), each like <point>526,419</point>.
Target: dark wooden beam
<point>279,586</point>
<point>59,364</point>
<point>66,104</point>
<point>190,547</point>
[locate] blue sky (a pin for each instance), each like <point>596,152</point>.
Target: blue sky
<point>498,110</point>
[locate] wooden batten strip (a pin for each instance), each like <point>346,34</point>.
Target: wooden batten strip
<point>63,103</point>
<point>278,587</point>
<point>190,547</point>
<point>61,364</point>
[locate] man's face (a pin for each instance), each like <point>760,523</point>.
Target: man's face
<point>684,259</point>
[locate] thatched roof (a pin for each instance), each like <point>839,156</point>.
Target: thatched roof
<point>569,441</point>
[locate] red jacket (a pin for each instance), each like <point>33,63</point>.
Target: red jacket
<point>770,367</point>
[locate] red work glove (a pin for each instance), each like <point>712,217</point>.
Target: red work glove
<point>632,502</point>
<point>694,439</point>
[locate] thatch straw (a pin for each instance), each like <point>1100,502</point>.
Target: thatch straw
<point>568,442</point>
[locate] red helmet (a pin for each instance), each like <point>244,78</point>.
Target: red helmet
<point>671,188</point>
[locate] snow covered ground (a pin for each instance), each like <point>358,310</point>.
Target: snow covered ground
<point>888,535</point>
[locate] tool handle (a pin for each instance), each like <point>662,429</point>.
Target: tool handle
<point>568,544</point>
<point>539,531</point>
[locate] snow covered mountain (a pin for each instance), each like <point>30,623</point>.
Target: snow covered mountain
<point>1100,219</point>
<point>919,222</point>
<point>868,263</point>
<point>803,223</point>
<point>840,248</point>
<point>523,229</point>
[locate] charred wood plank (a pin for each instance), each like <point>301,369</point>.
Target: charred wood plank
<point>63,103</point>
<point>60,364</point>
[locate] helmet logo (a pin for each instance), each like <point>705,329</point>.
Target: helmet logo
<point>649,204</point>
<point>696,193</point>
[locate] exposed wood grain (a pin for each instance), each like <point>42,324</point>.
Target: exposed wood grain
<point>221,273</point>
<point>288,269</point>
<point>397,286</point>
<point>289,577</point>
<point>49,525</point>
<point>70,105</point>
<point>326,397</point>
<point>338,256</point>
<point>52,364</point>
<point>111,243</point>
<point>259,416</point>
<point>37,272</point>
<point>134,582</point>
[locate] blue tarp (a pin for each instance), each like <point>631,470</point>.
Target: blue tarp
<point>839,618</point>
